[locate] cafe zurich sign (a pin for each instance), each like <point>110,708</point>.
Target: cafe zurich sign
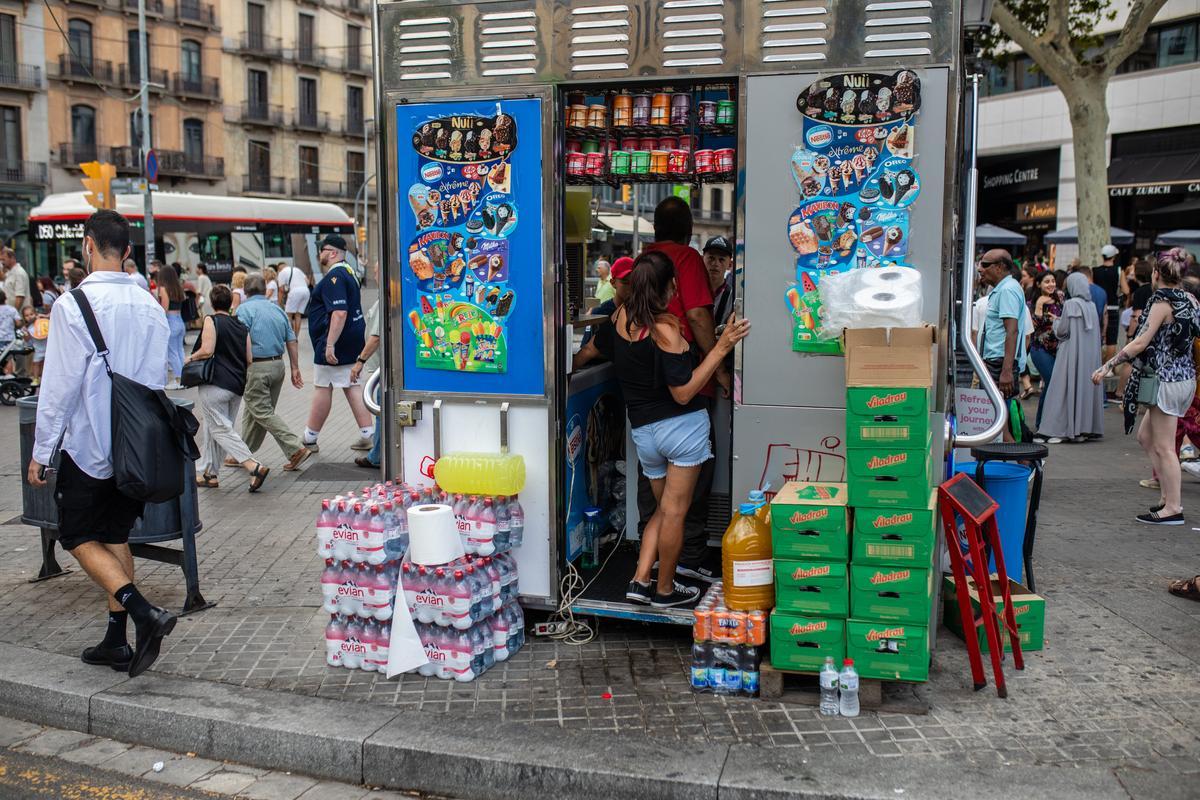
<point>1152,189</point>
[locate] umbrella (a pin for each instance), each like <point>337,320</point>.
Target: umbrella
<point>1180,238</point>
<point>1071,236</point>
<point>994,234</point>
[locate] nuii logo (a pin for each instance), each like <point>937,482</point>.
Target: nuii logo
<point>887,461</point>
<point>820,513</point>
<point>811,627</point>
<point>886,633</point>
<point>891,577</point>
<point>887,400</point>
<point>431,173</point>
<point>894,519</point>
<point>814,572</point>
<point>820,136</point>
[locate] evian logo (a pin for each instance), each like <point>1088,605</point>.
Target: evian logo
<point>877,401</point>
<point>891,577</point>
<point>349,589</point>
<point>345,532</point>
<point>811,627</point>
<point>813,572</point>
<point>809,516</point>
<point>427,597</point>
<point>879,463</point>
<point>894,519</point>
<point>434,653</point>
<point>886,633</point>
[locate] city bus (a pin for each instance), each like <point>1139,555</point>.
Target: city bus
<point>218,232</point>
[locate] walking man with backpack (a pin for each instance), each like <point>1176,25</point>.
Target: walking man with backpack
<point>74,418</point>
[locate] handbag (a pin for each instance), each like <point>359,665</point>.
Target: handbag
<point>1148,387</point>
<point>152,438</point>
<point>197,373</point>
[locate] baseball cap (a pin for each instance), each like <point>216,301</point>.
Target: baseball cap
<point>621,267</point>
<point>333,240</point>
<point>1109,251</point>
<point>719,243</point>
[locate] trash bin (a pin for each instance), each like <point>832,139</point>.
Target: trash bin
<point>162,522</point>
<point>1008,485</point>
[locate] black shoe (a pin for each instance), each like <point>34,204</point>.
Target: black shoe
<point>638,593</point>
<point>150,633</point>
<point>1154,509</point>
<point>698,572</point>
<point>116,657</point>
<point>680,595</point>
<point>1153,518</point>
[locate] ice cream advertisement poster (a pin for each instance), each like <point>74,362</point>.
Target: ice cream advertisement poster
<point>471,276</point>
<point>853,166</point>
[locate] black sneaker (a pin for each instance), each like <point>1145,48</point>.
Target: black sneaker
<point>116,657</point>
<point>150,633</point>
<point>681,595</point>
<point>638,593</point>
<point>1154,518</point>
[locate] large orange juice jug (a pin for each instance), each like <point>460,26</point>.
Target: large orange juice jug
<point>748,571</point>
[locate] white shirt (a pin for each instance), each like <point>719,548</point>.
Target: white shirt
<point>16,284</point>
<point>76,392</point>
<point>272,290</point>
<point>139,279</point>
<point>294,280</point>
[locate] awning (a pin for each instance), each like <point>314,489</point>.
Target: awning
<point>994,234</point>
<point>1071,236</point>
<point>1179,238</point>
<point>623,223</point>
<point>1148,169</point>
<point>1185,207</point>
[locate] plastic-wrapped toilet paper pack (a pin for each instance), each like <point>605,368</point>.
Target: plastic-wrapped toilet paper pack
<point>888,297</point>
<point>433,535</point>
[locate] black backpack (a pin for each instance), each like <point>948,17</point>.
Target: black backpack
<point>152,438</point>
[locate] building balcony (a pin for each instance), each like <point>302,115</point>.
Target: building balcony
<point>127,160</point>
<point>129,76</point>
<point>258,184</point>
<point>361,7</point>
<point>83,70</point>
<point>94,3</point>
<point>257,45</point>
<point>25,77</point>
<point>358,61</point>
<point>72,155</point>
<point>180,164</point>
<point>191,12</point>
<point>154,8</point>
<point>259,114</point>
<point>196,86</point>
<point>317,121</point>
<point>322,190</point>
<point>309,57</point>
<point>25,173</point>
<point>355,126</point>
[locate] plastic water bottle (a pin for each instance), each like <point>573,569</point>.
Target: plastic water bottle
<point>848,688</point>
<point>503,526</point>
<point>330,578</point>
<point>459,508</point>
<point>385,593</point>
<point>497,588</point>
<point>350,594</point>
<point>749,668</point>
<point>326,524</point>
<point>408,582</point>
<point>829,688</point>
<point>485,528</point>
<point>501,630</point>
<point>335,640</point>
<point>368,642</point>
<point>461,598</point>
<point>517,516</point>
<point>591,538</point>
<point>701,664</point>
<point>354,650</point>
<point>344,538</point>
<point>371,546</point>
<point>395,532</point>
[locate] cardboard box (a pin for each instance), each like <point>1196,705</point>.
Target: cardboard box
<point>888,651</point>
<point>901,537</point>
<point>809,522</point>
<point>890,356</point>
<point>891,477</point>
<point>801,644</point>
<point>891,594</point>
<point>812,588</point>
<point>887,416</point>
<point>1029,608</point>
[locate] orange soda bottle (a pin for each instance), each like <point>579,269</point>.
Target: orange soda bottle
<point>746,564</point>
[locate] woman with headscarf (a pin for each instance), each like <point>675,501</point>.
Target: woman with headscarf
<point>1074,406</point>
<point>1164,361</point>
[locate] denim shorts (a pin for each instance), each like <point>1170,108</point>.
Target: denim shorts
<point>682,441</point>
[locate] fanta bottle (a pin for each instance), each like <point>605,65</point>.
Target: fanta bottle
<point>746,564</point>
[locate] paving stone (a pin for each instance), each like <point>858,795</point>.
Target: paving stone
<point>95,753</point>
<point>334,791</point>
<point>183,770</point>
<point>223,781</point>
<point>15,731</point>
<point>52,742</point>
<point>278,786</point>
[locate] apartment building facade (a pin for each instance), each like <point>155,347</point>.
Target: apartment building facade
<point>24,146</point>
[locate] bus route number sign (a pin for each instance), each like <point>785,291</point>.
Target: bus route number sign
<point>59,230</point>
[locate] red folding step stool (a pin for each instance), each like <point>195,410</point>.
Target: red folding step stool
<point>961,497</point>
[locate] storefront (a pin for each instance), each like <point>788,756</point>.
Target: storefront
<point>1019,191</point>
<point>1154,182</point>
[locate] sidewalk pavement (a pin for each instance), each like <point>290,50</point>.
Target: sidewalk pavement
<point>1114,693</point>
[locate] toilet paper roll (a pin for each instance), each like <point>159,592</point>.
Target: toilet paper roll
<point>433,535</point>
<point>887,300</point>
<point>891,278</point>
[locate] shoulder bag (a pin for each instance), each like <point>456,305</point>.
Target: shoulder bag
<point>152,438</point>
<point>200,372</point>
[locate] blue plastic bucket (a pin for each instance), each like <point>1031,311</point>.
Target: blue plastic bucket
<point>1008,485</point>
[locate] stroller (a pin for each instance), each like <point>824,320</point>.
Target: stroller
<point>13,387</point>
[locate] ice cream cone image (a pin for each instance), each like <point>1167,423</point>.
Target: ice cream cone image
<point>859,162</point>
<point>834,176</point>
<point>891,239</point>
<point>463,348</point>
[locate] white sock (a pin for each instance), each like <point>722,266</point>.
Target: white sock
<point>310,436</point>
<point>368,432</point>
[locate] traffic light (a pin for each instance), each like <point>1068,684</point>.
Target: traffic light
<point>361,233</point>
<point>626,191</point>
<point>98,183</point>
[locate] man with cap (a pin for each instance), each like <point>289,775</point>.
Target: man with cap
<point>718,263</point>
<point>1107,276</point>
<point>338,331</point>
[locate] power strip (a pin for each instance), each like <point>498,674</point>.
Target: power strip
<point>549,628</point>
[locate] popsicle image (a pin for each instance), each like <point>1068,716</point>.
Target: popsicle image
<point>419,328</point>
<point>426,308</point>
<point>464,348</point>
<point>441,309</point>
<point>793,298</point>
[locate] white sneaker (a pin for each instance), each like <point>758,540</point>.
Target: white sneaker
<point>1188,453</point>
<point>365,443</point>
<point>1191,468</point>
<point>1054,440</point>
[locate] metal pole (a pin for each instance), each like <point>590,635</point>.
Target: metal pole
<point>637,243</point>
<point>144,68</point>
<point>366,194</point>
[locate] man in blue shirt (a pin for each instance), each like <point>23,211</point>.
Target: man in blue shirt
<point>338,330</point>
<point>1002,340</point>
<point>270,335</point>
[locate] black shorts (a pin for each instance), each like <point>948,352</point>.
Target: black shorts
<point>994,367</point>
<point>90,509</point>
<point>1114,326</point>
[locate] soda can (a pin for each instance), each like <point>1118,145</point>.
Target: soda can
<point>756,628</point>
<point>702,627</point>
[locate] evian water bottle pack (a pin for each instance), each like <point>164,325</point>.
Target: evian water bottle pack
<point>488,525</point>
<point>465,654</point>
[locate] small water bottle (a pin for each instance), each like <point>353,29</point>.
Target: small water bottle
<point>591,538</point>
<point>848,688</point>
<point>750,674</point>
<point>829,689</point>
<point>701,663</point>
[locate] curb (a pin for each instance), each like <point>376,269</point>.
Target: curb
<point>452,757</point>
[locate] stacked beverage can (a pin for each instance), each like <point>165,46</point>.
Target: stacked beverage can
<point>726,646</point>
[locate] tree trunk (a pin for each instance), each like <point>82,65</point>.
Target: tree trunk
<point>1089,127</point>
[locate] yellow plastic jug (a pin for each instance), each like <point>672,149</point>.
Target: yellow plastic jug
<point>746,564</point>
